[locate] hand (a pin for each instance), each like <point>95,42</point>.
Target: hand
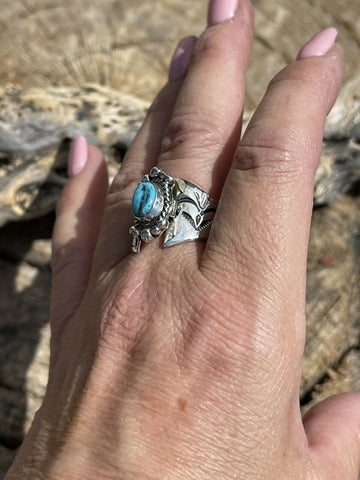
<point>184,362</point>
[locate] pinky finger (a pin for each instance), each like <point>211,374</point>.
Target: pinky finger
<point>78,219</point>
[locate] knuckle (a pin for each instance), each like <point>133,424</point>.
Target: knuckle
<point>191,132</point>
<point>263,159</point>
<point>221,43</point>
<point>213,43</point>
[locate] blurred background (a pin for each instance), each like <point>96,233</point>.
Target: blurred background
<point>70,67</point>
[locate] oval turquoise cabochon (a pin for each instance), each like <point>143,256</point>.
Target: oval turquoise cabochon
<point>143,199</point>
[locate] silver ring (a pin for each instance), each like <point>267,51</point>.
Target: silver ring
<point>171,206</point>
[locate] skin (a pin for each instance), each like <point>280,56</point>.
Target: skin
<point>185,362</point>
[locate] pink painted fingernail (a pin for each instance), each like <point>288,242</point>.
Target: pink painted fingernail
<point>77,156</point>
<point>180,59</point>
<point>221,10</point>
<point>318,45</point>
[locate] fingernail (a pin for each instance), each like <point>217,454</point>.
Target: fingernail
<point>77,156</point>
<point>319,44</point>
<point>221,10</point>
<point>180,59</point>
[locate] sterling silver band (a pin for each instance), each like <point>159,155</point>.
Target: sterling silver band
<point>170,206</point>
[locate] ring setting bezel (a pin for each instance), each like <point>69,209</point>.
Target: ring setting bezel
<point>157,220</point>
<point>171,206</point>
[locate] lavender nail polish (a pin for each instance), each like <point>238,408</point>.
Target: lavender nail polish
<point>180,59</point>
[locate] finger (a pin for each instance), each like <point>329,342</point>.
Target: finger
<point>333,431</point>
<point>206,121</point>
<point>78,220</point>
<point>258,243</point>
<point>141,156</point>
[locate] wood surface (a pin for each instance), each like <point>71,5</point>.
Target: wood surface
<point>127,44</point>
<point>37,126</point>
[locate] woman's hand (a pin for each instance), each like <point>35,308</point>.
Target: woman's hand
<point>185,362</point>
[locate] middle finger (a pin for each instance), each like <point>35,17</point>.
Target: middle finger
<point>205,125</point>
<point>202,130</point>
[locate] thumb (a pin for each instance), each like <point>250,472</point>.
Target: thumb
<point>333,431</point>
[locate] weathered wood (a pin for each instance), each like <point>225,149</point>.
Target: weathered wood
<point>28,241</point>
<point>127,44</point>
<point>37,125</point>
<point>333,283</point>
<point>24,336</point>
<point>122,44</point>
<point>345,378</point>
<point>339,168</point>
<point>52,42</point>
<point>11,417</point>
<point>6,458</point>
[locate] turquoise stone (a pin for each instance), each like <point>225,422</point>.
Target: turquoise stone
<point>143,199</point>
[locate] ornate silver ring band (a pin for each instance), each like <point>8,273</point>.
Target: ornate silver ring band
<point>171,206</point>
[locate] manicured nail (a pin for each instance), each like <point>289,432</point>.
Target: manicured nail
<point>180,59</point>
<point>77,156</point>
<point>221,10</point>
<point>319,44</point>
